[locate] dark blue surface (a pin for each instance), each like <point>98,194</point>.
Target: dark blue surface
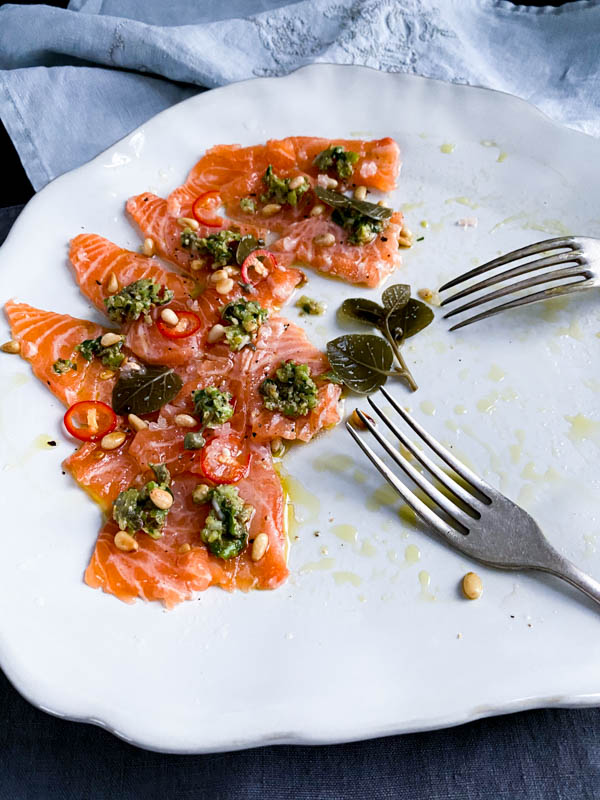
<point>538,755</point>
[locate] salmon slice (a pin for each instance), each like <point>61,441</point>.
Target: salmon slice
<point>150,214</point>
<point>367,264</point>
<point>158,571</point>
<point>95,259</point>
<point>45,337</point>
<point>103,474</point>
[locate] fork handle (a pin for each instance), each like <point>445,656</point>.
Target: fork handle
<point>562,568</point>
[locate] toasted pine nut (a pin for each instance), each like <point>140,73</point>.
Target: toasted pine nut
<point>406,238</point>
<point>324,240</point>
<point>106,374</point>
<point>357,421</point>
<point>296,182</point>
<point>382,203</point>
<point>232,271</point>
<point>219,275</point>
<point>11,346</point>
<point>148,247</point>
<point>196,264</point>
<point>277,447</point>
<point>317,210</point>
<point>185,420</point>
<point>259,546</point>
<point>326,182</point>
<point>137,423</point>
<point>161,498</point>
<point>472,586</point>
<point>215,333</point>
<point>184,548</point>
<point>200,493</point>
<point>188,222</point>
<point>112,440</point>
<point>425,294</point>
<point>110,338</point>
<point>169,316</point>
<point>224,287</point>
<point>360,193</point>
<point>112,287</point>
<point>125,542</point>
<point>270,209</point>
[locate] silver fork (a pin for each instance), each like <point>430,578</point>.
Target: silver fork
<point>486,526</point>
<point>578,258</point>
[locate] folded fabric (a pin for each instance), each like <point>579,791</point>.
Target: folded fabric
<point>74,81</point>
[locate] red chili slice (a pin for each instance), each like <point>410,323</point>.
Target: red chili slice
<point>90,420</point>
<point>203,205</point>
<point>221,461</point>
<point>188,324</point>
<point>253,259</point>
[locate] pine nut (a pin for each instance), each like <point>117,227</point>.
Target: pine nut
<point>188,222</point>
<point>12,346</point>
<point>259,546</point>
<point>169,316</point>
<point>324,240</point>
<point>425,294</point>
<point>185,420</point>
<point>184,548</point>
<point>277,447</point>
<point>200,493</point>
<point>224,287</point>
<point>161,498</point>
<point>125,542</point>
<point>296,182</point>
<point>196,264</point>
<point>137,423</point>
<point>112,287</point>
<point>112,440</point>
<point>326,182</point>
<point>270,209</point>
<point>472,586</point>
<point>148,247</point>
<point>219,275</point>
<point>382,203</point>
<point>215,333</point>
<point>406,238</point>
<point>357,421</point>
<point>110,338</point>
<point>106,374</point>
<point>317,210</point>
<point>360,193</point>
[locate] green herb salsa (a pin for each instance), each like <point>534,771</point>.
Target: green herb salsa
<point>219,247</point>
<point>225,530</point>
<point>338,158</point>
<point>277,190</point>
<point>245,318</point>
<point>292,391</point>
<point>110,356</point>
<point>136,299</point>
<point>134,511</point>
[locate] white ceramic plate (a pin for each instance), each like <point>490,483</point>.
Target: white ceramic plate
<point>358,643</point>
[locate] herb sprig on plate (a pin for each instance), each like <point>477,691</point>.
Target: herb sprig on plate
<point>363,362</point>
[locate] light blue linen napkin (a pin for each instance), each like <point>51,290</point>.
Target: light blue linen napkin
<point>74,81</point>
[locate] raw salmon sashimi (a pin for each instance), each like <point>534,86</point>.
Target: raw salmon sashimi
<point>159,571</point>
<point>367,264</point>
<point>104,473</point>
<point>150,214</point>
<point>46,337</point>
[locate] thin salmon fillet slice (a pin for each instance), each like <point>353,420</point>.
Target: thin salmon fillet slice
<point>103,474</point>
<point>45,337</point>
<point>368,264</point>
<point>158,571</point>
<point>150,214</point>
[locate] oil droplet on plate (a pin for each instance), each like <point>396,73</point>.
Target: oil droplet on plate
<point>517,449</point>
<point>368,548</point>
<point>460,410</point>
<point>392,556</point>
<point>427,407</point>
<point>582,428</point>
<point>573,330</point>
<point>347,533</point>
<point>496,374</point>
<point>412,554</point>
<point>463,201</point>
<point>42,442</point>
<point>383,496</point>
<point>487,405</point>
<point>334,462</point>
<point>502,156</point>
<point>341,578</point>
<point>425,580</point>
<point>317,566</point>
<point>299,496</point>
<point>447,148</point>
<point>359,476</point>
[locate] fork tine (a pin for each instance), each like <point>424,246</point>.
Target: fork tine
<point>453,511</point>
<point>424,512</point>
<point>465,473</point>
<point>448,482</point>
<point>535,297</point>
<point>536,280</point>
<point>514,255</point>
<point>529,266</point>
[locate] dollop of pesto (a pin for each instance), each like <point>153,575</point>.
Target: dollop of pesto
<point>133,510</point>
<point>225,530</point>
<point>110,356</point>
<point>361,229</point>
<point>309,306</point>
<point>245,318</point>
<point>292,391</point>
<point>212,406</point>
<point>248,205</point>
<point>193,441</point>
<point>277,190</point>
<point>338,158</point>
<point>220,247</point>
<point>136,299</point>
<point>63,365</point>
